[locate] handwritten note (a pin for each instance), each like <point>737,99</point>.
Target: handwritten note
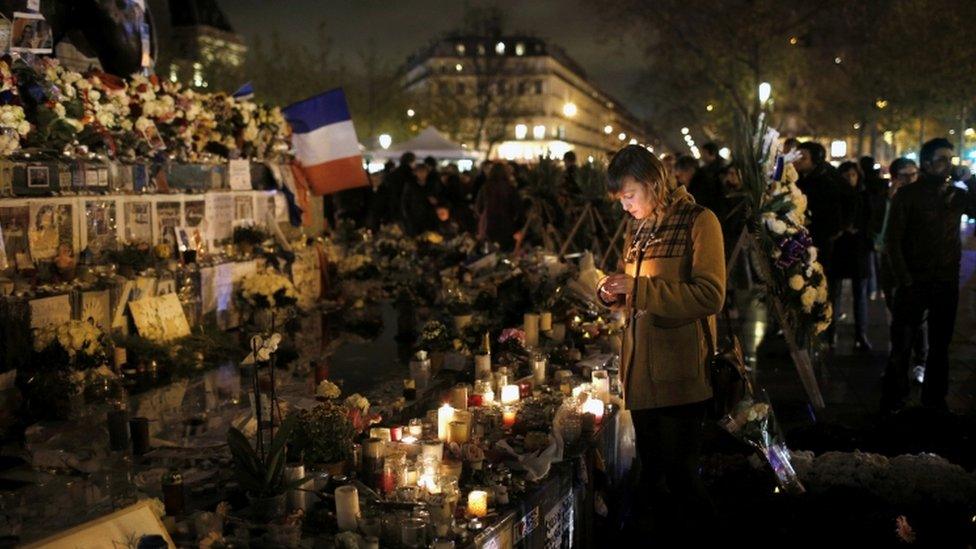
<point>220,215</point>
<point>48,311</point>
<point>239,173</point>
<point>160,318</point>
<point>95,306</point>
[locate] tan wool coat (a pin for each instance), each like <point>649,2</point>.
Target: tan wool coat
<point>679,282</point>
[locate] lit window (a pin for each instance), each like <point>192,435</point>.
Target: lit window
<point>539,132</point>
<point>172,73</point>
<point>521,130</point>
<point>561,132</point>
<point>520,49</point>
<point>459,48</point>
<point>198,75</point>
<point>500,48</point>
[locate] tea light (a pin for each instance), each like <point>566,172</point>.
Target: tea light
<point>464,416</point>
<point>539,370</point>
<point>501,379</point>
<point>477,503</point>
<point>458,432</point>
<point>508,417</point>
<point>594,406</point>
<point>601,385</point>
<point>459,397</point>
<point>482,366</point>
<point>510,394</point>
<point>415,428</point>
<point>545,321</point>
<point>432,449</point>
<point>382,433</point>
<point>410,476</point>
<point>445,415</point>
<point>347,507</point>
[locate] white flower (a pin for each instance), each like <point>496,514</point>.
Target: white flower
<point>796,282</point>
<point>812,254</point>
<point>327,389</point>
<point>776,226</point>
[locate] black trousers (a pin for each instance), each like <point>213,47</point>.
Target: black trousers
<point>669,447</point>
<point>940,299</point>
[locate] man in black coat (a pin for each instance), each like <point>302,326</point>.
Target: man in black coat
<point>828,213</point>
<point>391,189</point>
<point>924,248</point>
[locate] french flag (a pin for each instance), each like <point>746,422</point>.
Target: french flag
<point>325,143</point>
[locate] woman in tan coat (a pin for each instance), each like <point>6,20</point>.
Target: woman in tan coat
<point>672,285</point>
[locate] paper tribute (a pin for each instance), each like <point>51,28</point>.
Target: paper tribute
<point>51,225</point>
<point>31,33</point>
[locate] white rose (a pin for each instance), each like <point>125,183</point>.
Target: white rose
<point>822,294</point>
<point>59,110</point>
<point>142,124</point>
<point>796,282</point>
<point>776,226</point>
<point>94,95</point>
<point>812,254</point>
<point>7,118</point>
<point>24,128</point>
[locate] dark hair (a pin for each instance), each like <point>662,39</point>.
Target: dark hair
<point>430,161</point>
<point>498,172</point>
<point>899,163</point>
<point>927,154</point>
<point>407,159</point>
<point>710,148</point>
<point>570,156</point>
<point>686,162</point>
<point>817,151</point>
<point>731,166</point>
<point>851,165</point>
<point>791,142</point>
<point>389,165</point>
<point>637,162</point>
<point>867,165</point>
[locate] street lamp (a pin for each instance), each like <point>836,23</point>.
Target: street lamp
<point>725,153</point>
<point>709,107</point>
<point>569,109</point>
<point>411,113</point>
<point>633,141</point>
<point>608,129</point>
<point>385,140</point>
<point>621,136</point>
<point>881,103</point>
<point>765,92</point>
<point>684,131</point>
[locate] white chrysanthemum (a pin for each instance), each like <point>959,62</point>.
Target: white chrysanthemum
<point>796,282</point>
<point>808,298</point>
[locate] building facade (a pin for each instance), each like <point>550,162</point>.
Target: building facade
<point>516,98</point>
<point>197,44</point>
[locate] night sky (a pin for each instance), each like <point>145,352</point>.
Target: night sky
<point>400,27</point>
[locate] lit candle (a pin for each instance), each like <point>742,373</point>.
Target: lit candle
<point>347,507</point>
<point>539,370</point>
<point>433,449</point>
<point>445,415</point>
<point>594,406</point>
<point>459,396</point>
<point>601,385</point>
<point>373,448</point>
<point>396,433</point>
<point>482,366</point>
<point>510,394</point>
<point>415,428</point>
<point>477,503</point>
<point>545,321</point>
<point>464,416</point>
<point>530,323</point>
<point>382,433</point>
<point>508,417</point>
<point>458,432</point>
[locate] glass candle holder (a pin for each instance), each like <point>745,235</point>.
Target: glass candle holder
<point>413,533</point>
<point>477,503</point>
<point>508,417</point>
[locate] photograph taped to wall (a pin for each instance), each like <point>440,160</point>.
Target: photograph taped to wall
<point>138,221</point>
<point>14,222</point>
<point>38,177</point>
<point>168,216</point>
<point>101,225</point>
<point>31,34</point>
<point>51,225</point>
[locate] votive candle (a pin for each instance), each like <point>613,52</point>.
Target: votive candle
<point>508,417</point>
<point>459,396</point>
<point>601,385</point>
<point>458,432</point>
<point>445,415</point>
<point>530,323</point>
<point>482,366</point>
<point>545,321</point>
<point>539,370</point>
<point>510,394</point>
<point>594,406</point>
<point>432,449</point>
<point>347,507</point>
<point>477,503</point>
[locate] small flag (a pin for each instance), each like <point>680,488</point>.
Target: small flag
<point>245,92</point>
<point>325,143</point>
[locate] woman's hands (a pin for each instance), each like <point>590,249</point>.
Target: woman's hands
<point>614,289</point>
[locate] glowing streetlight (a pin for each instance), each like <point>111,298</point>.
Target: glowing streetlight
<point>709,107</point>
<point>684,131</point>
<point>765,92</point>
<point>569,109</point>
<point>385,140</point>
<point>633,141</point>
<point>622,136</point>
<point>608,129</point>
<point>411,113</point>
<point>881,103</point>
<point>725,153</point>
<point>459,67</point>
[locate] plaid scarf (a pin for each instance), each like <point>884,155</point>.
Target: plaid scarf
<point>666,237</point>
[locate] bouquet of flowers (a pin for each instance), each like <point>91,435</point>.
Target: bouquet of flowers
<point>267,290</point>
<point>82,342</point>
<point>753,422</point>
<point>358,267</point>
<point>435,337</point>
<point>324,434</point>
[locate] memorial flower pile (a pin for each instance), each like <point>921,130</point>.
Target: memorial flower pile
<point>268,289</point>
<point>79,339</point>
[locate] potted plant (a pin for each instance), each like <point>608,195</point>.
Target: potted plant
<point>324,436</point>
<point>435,339</point>
<point>261,472</point>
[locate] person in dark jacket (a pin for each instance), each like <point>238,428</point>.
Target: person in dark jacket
<point>391,189</point>
<point>877,196</point>
<point>500,211</point>
<point>418,203</point>
<point>923,243</point>
<point>821,184</point>
<point>851,256</point>
<point>706,190</point>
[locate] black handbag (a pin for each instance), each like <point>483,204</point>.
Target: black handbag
<point>726,371</point>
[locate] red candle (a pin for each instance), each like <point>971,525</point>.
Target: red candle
<point>476,400</point>
<point>388,480</point>
<point>396,433</point>
<point>525,390</point>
